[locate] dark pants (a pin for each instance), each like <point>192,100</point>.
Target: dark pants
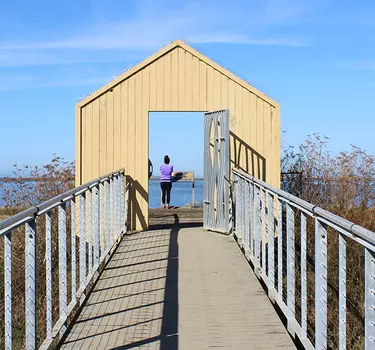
<point>166,188</point>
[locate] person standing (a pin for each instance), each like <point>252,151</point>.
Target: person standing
<point>166,173</point>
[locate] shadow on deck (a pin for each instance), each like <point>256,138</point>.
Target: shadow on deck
<point>135,301</point>
<point>177,287</point>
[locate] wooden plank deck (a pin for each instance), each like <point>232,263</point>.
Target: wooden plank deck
<point>178,288</point>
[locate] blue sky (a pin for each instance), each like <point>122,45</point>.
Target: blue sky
<point>316,57</point>
<point>184,145</point>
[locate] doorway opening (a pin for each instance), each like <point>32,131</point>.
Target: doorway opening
<point>180,135</point>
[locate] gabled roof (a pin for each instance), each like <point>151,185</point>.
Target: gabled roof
<point>173,45</point>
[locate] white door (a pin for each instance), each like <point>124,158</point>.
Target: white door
<point>216,212</point>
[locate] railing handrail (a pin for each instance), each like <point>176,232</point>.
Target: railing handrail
<point>98,212</point>
<point>36,210</point>
<point>304,255</point>
<point>334,219</point>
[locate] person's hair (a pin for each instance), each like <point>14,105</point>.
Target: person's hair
<point>166,160</point>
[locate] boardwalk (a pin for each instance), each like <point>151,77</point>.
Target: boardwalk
<point>178,288</point>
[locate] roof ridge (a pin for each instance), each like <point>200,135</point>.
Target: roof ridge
<point>133,69</point>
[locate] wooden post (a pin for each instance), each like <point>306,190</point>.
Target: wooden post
<point>193,191</point>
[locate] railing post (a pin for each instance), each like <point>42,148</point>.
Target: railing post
<point>49,274</point>
<point>8,289</point>
<point>257,224</point>
<point>320,285</point>
<point>89,226</point>
<point>74,249</point>
<point>117,208</point>
<point>303,276</point>
<point>30,285</point>
<point>247,214</point>
<point>127,189</point>
<point>102,218</point>
<point>108,214</point>
<point>82,241</point>
<point>112,209</point>
<point>369,299</point>
<point>63,295</point>
<point>119,202</point>
<point>96,226</point>
<point>238,208</point>
<point>235,200</point>
<point>251,218</point>
<point>342,293</point>
<point>122,203</point>
<point>271,243</point>
<point>263,199</point>
<point>242,209</point>
<point>280,247</point>
<point>290,267</point>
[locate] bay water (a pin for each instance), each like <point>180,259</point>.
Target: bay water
<point>181,194</point>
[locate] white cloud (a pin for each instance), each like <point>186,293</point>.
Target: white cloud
<point>242,40</point>
<point>26,82</point>
<point>361,65</point>
<point>203,22</point>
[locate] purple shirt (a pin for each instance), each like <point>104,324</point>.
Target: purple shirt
<point>166,173</point>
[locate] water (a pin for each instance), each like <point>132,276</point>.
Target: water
<point>3,186</point>
<point>181,194</point>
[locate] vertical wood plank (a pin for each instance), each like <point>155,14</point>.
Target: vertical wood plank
<point>124,125</point>
<point>95,149</point>
<point>78,166</point>
<point>253,135</point>
<point>267,142</point>
<point>160,84</point>
<point>210,88</point>
<point>174,80</point>
<point>203,86</point>
<point>167,80</point>
<point>195,84</point>
<point>103,135</point>
<point>117,128</point>
<point>189,81</point>
<point>181,80</point>
<point>110,133</point>
<point>217,90</point>
<point>88,141</point>
<point>153,87</point>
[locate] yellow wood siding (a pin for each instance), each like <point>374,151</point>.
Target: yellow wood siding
<point>112,124</point>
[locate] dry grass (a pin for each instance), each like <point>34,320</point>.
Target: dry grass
<point>54,178</point>
<point>345,185</point>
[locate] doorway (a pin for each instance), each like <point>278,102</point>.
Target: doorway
<point>180,135</point>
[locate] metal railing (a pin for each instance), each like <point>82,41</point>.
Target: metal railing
<point>98,213</point>
<point>285,239</point>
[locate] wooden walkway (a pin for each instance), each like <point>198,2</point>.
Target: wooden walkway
<point>178,288</point>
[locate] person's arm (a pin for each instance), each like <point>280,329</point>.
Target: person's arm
<point>172,174</point>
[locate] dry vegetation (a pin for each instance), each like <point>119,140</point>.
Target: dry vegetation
<point>345,185</point>
<point>53,179</point>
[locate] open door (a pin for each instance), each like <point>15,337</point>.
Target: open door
<point>216,213</point>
